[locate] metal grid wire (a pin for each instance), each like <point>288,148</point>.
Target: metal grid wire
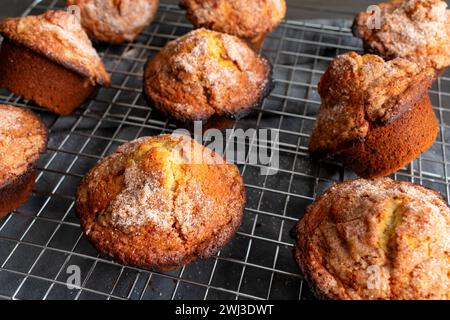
<point>42,238</point>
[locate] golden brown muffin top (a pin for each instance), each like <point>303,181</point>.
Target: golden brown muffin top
<point>58,35</point>
<point>115,20</point>
<point>205,73</point>
<point>376,239</point>
<point>246,19</point>
<point>23,137</point>
<point>359,92</point>
<point>159,199</point>
<point>418,30</point>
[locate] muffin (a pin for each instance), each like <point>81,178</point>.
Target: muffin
<point>23,137</point>
<point>417,30</point>
<point>375,116</point>
<point>376,239</point>
<point>50,60</point>
<point>115,21</point>
<point>156,203</point>
<point>250,20</point>
<point>204,74</point>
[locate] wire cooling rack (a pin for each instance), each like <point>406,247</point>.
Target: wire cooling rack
<point>42,238</point>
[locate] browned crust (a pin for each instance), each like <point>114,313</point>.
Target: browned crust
<point>434,55</point>
<point>350,90</point>
<point>236,17</point>
<point>32,125</point>
<point>115,245</point>
<point>302,251</point>
<point>149,247</point>
<point>387,148</point>
<point>165,88</point>
<point>166,107</point>
<point>58,35</point>
<point>413,94</point>
<point>115,21</point>
<point>16,192</point>
<point>15,186</point>
<point>361,30</point>
<point>36,78</point>
<point>307,254</point>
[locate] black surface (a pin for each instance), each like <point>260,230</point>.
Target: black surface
<point>13,7</point>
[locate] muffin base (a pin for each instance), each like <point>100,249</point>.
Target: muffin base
<point>37,78</point>
<point>13,195</point>
<point>387,148</point>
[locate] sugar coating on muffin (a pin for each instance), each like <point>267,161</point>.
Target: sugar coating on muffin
<point>376,239</point>
<point>156,203</point>
<point>245,19</point>
<point>206,73</point>
<point>58,36</point>
<point>23,137</point>
<point>359,93</point>
<point>115,21</point>
<point>418,30</point>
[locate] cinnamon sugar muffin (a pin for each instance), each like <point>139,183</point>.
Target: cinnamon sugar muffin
<point>418,30</point>
<point>376,239</point>
<point>156,203</point>
<point>375,116</point>
<point>23,137</point>
<point>115,21</point>
<point>50,60</point>
<point>250,20</point>
<point>206,73</point>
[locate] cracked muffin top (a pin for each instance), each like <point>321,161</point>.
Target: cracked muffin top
<point>58,36</point>
<point>376,239</point>
<point>418,30</point>
<point>23,137</point>
<point>115,21</point>
<point>360,92</point>
<point>245,19</point>
<point>206,73</point>
<point>156,202</point>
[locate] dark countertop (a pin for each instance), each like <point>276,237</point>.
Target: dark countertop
<point>297,9</point>
<point>13,7</point>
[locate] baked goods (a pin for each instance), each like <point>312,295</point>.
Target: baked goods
<point>250,20</point>
<point>376,239</point>
<point>23,137</point>
<point>206,73</point>
<point>50,60</point>
<point>115,21</point>
<point>156,203</point>
<point>375,116</point>
<point>417,30</point>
